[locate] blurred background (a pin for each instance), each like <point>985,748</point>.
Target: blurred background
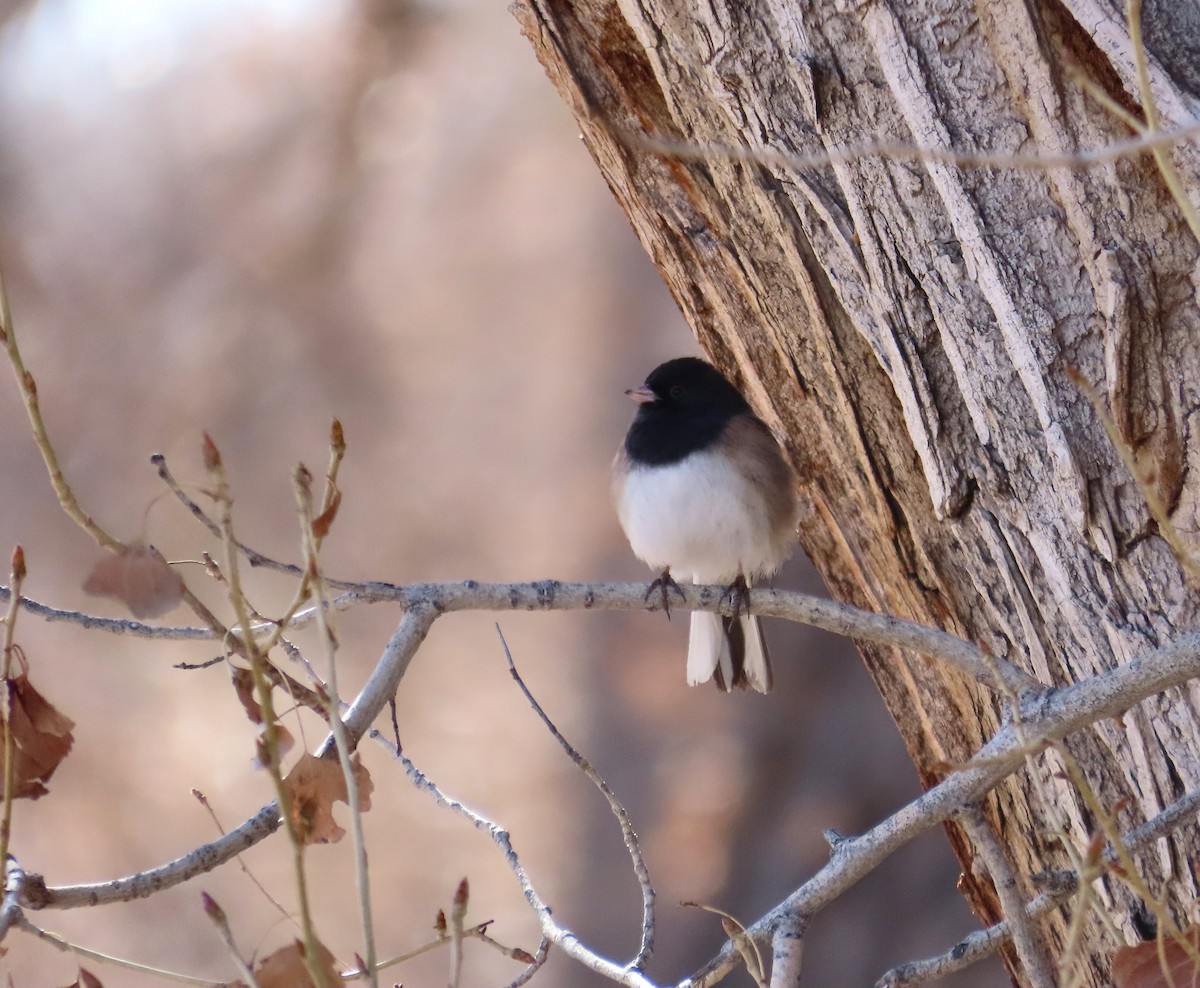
<point>248,218</point>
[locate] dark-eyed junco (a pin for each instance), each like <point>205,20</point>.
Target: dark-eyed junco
<point>702,489</point>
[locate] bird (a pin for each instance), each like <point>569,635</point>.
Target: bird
<point>702,488</point>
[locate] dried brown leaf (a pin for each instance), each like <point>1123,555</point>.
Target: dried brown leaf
<point>1156,964</point>
<point>140,578</point>
<point>210,453</point>
<point>243,686</point>
<point>286,968</point>
<point>284,742</point>
<point>42,738</point>
<point>322,523</point>
<point>314,784</point>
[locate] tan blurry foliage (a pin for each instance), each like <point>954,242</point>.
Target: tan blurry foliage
<point>85,980</point>
<point>1161,963</point>
<point>140,578</point>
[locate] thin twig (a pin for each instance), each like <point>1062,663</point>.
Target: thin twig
<point>311,548</point>
<point>535,964</point>
<point>1162,154</point>
<point>477,932</point>
<point>1127,870</point>
<point>1158,510</point>
<point>454,930</point>
<point>29,395</point>
<point>17,577</point>
<point>1031,950</point>
<point>262,694</point>
<point>552,931</point>
<point>704,151</point>
<point>203,800</point>
<point>215,913</point>
<point>982,944</point>
<point>256,559</point>
<point>69,947</point>
<point>1050,716</point>
<point>628,834</point>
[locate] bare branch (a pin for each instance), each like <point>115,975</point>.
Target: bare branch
<point>385,679</point>
<point>787,953</point>
<point>14,886</point>
<point>551,595</point>
<point>983,943</point>
<point>1049,716</point>
<point>552,931</point>
<point>145,883</point>
<point>628,834</point>
<point>253,557</point>
<point>1031,950</point>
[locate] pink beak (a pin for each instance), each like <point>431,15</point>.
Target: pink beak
<point>642,395</point>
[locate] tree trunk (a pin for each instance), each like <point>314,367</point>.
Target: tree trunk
<point>908,325</point>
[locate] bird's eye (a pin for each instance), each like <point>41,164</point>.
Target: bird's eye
<point>677,391</point>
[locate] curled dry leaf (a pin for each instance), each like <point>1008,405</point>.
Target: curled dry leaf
<point>140,578</point>
<point>314,784</point>
<point>41,736</point>
<point>284,742</point>
<point>243,686</point>
<point>86,980</point>
<point>1158,964</point>
<point>286,968</point>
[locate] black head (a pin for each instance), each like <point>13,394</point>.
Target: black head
<point>685,405</point>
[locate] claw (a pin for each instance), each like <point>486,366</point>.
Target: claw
<point>738,593</point>
<point>664,584</point>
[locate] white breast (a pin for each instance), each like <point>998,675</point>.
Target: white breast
<point>700,518</point>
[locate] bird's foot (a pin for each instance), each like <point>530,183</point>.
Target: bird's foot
<point>664,584</point>
<point>738,595</point>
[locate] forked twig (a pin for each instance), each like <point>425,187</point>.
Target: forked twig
<point>628,834</point>
<point>981,944</point>
<point>552,931</point>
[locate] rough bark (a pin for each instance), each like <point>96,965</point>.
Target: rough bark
<point>908,327</point>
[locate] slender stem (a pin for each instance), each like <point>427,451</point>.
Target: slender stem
<point>311,547</point>
<point>704,151</point>
<point>262,689</point>
<point>9,699</point>
<point>29,396</point>
<point>628,834</point>
<point>69,947</point>
<point>1162,153</point>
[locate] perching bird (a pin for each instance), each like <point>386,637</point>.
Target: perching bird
<point>702,489</point>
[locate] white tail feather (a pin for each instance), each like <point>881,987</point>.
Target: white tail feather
<point>756,666</point>
<point>707,646</point>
